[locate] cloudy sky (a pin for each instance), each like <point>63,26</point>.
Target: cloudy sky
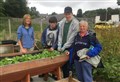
<point>49,6</point>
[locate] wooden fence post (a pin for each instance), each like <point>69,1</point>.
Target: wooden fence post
<point>9,25</point>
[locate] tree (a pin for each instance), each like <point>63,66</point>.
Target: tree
<point>105,14</point>
<point>118,2</point>
<point>34,13</point>
<point>112,12</point>
<point>15,8</point>
<point>109,13</point>
<point>89,14</point>
<point>102,13</point>
<point>79,13</point>
<point>1,8</point>
<point>54,13</point>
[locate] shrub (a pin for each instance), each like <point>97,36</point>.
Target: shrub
<point>110,40</point>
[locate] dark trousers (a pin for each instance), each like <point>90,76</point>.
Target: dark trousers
<point>66,68</point>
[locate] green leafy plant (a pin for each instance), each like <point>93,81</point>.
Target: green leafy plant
<point>29,57</point>
<point>110,40</point>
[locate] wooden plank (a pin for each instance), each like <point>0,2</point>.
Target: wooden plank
<point>19,53</point>
<point>26,78</point>
<point>13,77</point>
<point>58,73</point>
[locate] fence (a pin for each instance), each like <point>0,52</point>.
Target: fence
<point>9,26</point>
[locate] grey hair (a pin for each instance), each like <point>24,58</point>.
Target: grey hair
<point>83,22</point>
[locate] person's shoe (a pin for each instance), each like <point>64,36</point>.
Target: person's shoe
<point>54,77</point>
<point>41,75</point>
<point>31,79</point>
<point>45,78</point>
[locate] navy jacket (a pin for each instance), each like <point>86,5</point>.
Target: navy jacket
<point>43,38</point>
<point>86,42</point>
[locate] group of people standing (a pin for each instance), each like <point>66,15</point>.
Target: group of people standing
<point>69,36</point>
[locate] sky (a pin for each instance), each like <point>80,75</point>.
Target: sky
<point>49,6</point>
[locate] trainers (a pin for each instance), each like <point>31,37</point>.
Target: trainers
<point>54,77</point>
<point>41,75</point>
<point>31,79</point>
<point>45,78</point>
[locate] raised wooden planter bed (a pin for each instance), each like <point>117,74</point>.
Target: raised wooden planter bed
<point>21,72</point>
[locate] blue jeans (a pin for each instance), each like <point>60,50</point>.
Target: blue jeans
<point>83,71</point>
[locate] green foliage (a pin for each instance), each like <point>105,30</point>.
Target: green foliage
<point>38,28</point>
<point>3,23</point>
<point>110,54</point>
<point>29,57</point>
<point>89,14</point>
<point>103,13</point>
<point>111,71</point>
<point>118,2</point>
<point>54,13</point>
<point>15,8</point>
<point>1,8</point>
<point>79,13</point>
<point>34,13</point>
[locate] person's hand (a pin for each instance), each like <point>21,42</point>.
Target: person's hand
<point>23,50</point>
<point>51,49</point>
<point>62,49</point>
<point>67,52</point>
<point>87,57</point>
<point>59,48</point>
